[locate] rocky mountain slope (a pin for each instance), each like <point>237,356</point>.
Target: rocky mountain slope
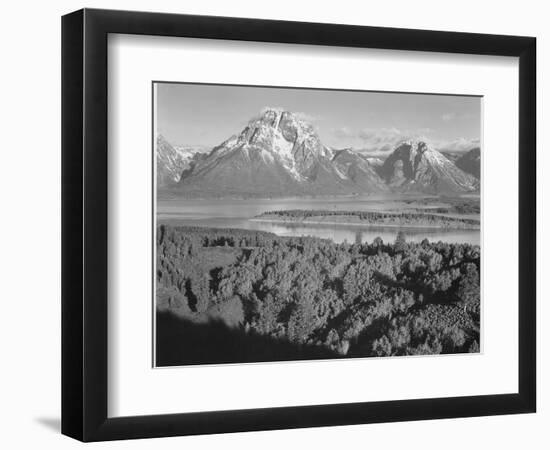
<point>359,170</point>
<point>470,162</point>
<point>172,161</point>
<point>414,166</point>
<point>451,156</point>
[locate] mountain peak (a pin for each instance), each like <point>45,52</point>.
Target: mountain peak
<point>412,147</point>
<point>171,161</point>
<point>290,124</point>
<point>415,165</point>
<point>285,136</point>
<point>270,110</point>
<point>161,140</point>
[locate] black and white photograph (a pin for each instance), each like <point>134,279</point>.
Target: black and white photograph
<point>298,224</point>
<point>276,225</point>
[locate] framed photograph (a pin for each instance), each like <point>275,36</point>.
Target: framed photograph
<point>273,224</point>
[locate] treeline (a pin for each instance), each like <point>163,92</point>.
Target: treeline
<point>376,299</point>
<point>374,217</point>
<point>465,208</point>
<point>456,205</point>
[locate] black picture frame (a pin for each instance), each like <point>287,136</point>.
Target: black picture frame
<point>84,224</point>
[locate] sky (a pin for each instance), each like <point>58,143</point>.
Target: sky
<point>372,122</point>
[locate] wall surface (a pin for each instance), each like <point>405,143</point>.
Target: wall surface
<point>30,189</point>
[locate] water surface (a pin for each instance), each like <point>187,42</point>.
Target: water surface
<point>234,213</point>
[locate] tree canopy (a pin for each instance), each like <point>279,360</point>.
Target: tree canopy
<point>376,299</point>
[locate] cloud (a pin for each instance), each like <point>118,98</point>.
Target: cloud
<point>344,132</point>
<point>457,145</point>
<point>377,140</point>
<point>448,116</point>
<point>381,141</point>
<point>306,117</point>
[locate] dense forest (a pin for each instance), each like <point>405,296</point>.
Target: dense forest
<point>403,219</point>
<point>226,295</point>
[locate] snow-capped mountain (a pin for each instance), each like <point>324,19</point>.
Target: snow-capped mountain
<point>470,162</point>
<point>414,166</point>
<point>277,153</point>
<point>359,169</point>
<point>172,161</point>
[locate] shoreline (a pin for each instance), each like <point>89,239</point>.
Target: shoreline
<point>368,225</point>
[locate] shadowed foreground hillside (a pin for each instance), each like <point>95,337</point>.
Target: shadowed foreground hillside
<point>183,342</point>
<point>227,295</point>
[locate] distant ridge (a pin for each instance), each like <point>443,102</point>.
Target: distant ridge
<point>470,162</point>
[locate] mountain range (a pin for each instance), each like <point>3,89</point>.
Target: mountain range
<point>279,154</point>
